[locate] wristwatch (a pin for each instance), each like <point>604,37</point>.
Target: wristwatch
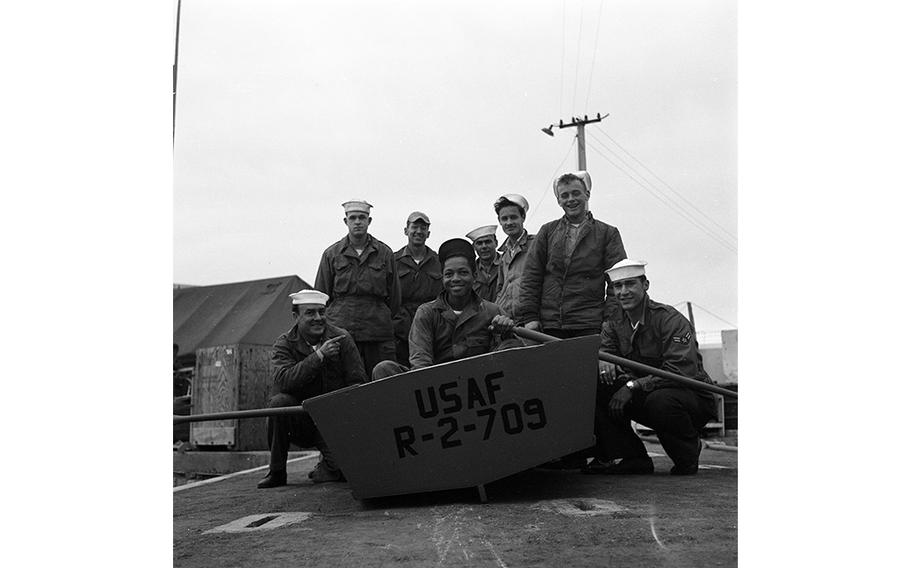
<point>630,385</point>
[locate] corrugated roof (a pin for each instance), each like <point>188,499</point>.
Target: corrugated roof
<point>254,312</point>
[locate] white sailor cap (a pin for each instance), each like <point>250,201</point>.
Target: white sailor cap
<point>516,199</point>
<point>356,205</point>
<point>580,175</point>
<point>626,268</point>
<point>485,231</point>
<point>418,216</point>
<point>309,297</point>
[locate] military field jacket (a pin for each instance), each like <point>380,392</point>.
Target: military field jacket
<point>363,290</point>
<point>568,292</point>
<point>419,283</point>
<point>438,335</point>
<point>511,266</point>
<point>663,339</point>
<point>297,370</point>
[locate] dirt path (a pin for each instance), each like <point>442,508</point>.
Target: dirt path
<point>536,518</point>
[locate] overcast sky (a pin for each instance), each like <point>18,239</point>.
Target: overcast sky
<point>286,109</point>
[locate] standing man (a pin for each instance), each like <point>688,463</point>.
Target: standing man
<point>358,274</point>
<point>659,336</point>
<point>312,358</point>
<point>419,277</point>
<point>458,323</point>
<point>562,286</point>
<point>512,210</point>
<point>486,283</point>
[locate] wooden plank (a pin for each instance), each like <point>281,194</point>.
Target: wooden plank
<point>255,384</point>
<point>215,390</point>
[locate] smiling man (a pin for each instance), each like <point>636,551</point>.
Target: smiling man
<point>659,336</point>
<point>458,323</point>
<point>419,276</point>
<point>486,279</point>
<point>562,286</point>
<point>360,277</point>
<point>511,211</point>
<point>313,358</point>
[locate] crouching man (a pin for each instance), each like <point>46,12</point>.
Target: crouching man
<point>458,323</point>
<point>312,358</point>
<point>659,336</point>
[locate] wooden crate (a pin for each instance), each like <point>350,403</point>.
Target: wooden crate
<point>231,377</point>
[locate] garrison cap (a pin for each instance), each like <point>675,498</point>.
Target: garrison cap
<point>418,216</point>
<point>356,205</point>
<point>485,231</point>
<point>581,175</point>
<point>516,199</point>
<point>309,297</point>
<point>456,247</point>
<point>626,268</point>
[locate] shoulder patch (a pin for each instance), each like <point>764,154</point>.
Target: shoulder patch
<point>683,339</point>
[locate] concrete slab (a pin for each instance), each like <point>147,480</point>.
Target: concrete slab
<point>535,518</point>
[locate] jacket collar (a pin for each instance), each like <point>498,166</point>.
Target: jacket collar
<point>404,253</point>
<point>496,260</point>
<point>447,313</point>
<point>649,304</point>
<point>589,218</point>
<point>348,248</point>
<point>522,241</point>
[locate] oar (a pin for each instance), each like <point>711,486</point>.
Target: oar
<point>610,358</point>
<point>277,411</point>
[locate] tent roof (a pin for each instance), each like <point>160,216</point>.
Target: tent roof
<point>254,312</point>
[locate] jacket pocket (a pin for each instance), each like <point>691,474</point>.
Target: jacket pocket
<point>375,275</point>
<point>344,276</point>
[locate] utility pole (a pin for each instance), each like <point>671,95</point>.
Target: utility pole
<point>579,123</point>
<point>691,316</point>
<point>174,103</point>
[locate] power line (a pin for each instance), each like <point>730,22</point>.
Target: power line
<point>552,176</point>
<point>666,201</point>
<point>681,196</point>
<point>581,19</point>
<point>712,314</point>
<point>562,71</point>
<point>594,57</point>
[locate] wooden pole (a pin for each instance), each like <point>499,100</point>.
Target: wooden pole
<point>691,317</point>
<point>259,412</point>
<point>629,364</point>
<point>582,159</point>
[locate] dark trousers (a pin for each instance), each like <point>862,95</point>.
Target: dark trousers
<point>298,429</point>
<point>387,369</point>
<point>675,415</point>
<point>372,352</point>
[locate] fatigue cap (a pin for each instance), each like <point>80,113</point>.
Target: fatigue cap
<point>356,205</point>
<point>514,198</point>
<point>418,216</point>
<point>485,231</point>
<point>309,297</point>
<point>626,268</point>
<point>456,247</point>
<point>581,175</point>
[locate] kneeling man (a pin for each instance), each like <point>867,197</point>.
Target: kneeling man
<point>458,323</point>
<point>312,358</point>
<point>659,336</point>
